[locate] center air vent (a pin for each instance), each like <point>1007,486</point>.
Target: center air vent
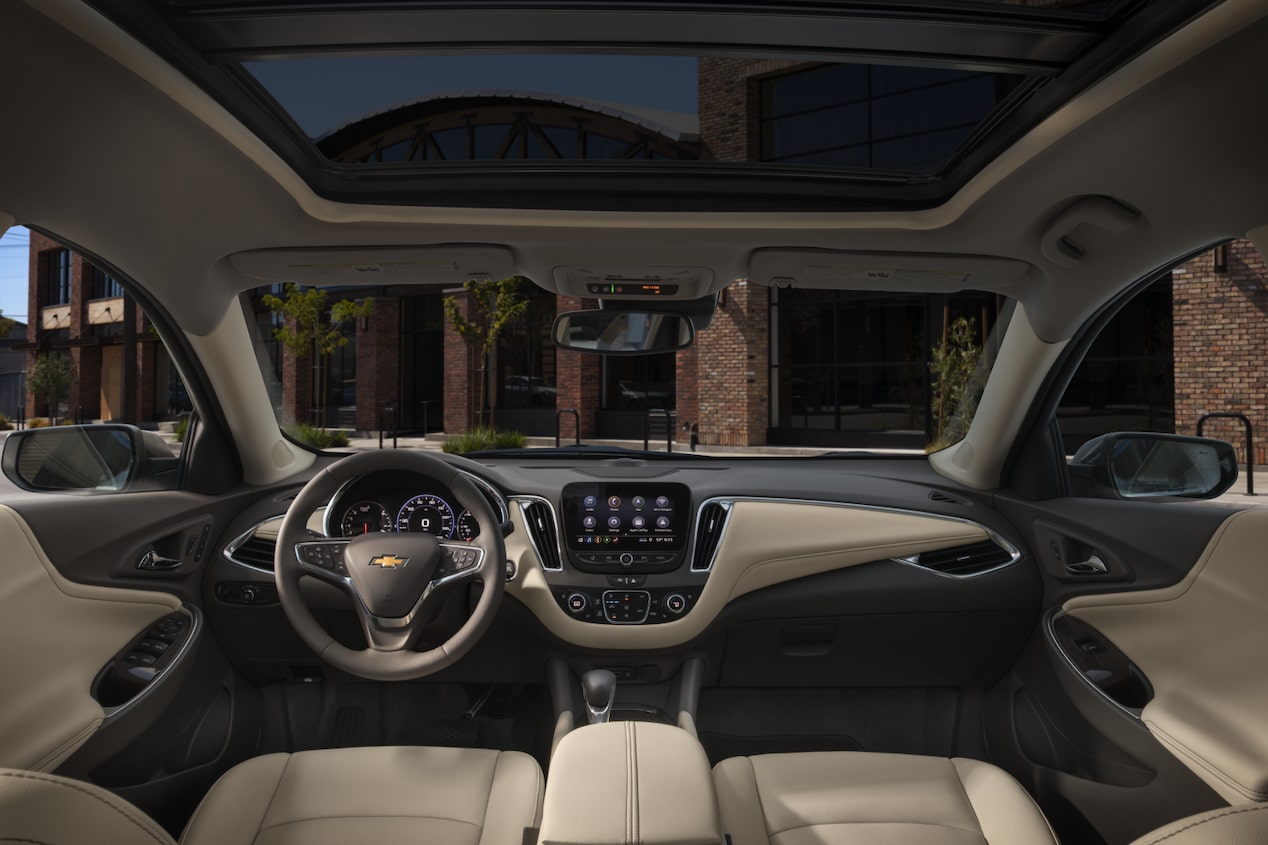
<point>541,529</point>
<point>962,561</point>
<point>709,531</point>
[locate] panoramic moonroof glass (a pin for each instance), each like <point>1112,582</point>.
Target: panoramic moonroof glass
<point>418,110</point>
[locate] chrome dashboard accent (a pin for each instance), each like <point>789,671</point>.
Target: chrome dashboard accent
<point>528,499</point>
<point>239,541</point>
<point>1013,552</point>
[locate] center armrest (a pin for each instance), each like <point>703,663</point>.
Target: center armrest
<point>630,782</point>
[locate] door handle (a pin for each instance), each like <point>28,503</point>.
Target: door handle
<point>1092,566</point>
<point>154,561</point>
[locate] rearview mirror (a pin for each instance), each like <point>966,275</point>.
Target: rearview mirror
<point>1139,465</point>
<point>622,332</point>
<point>87,457</point>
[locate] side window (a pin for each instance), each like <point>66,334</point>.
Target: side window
<point>83,352</point>
<point>1183,357</point>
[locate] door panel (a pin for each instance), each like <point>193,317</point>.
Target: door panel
<point>1068,720</point>
<point>59,634</point>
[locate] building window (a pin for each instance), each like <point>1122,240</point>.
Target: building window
<point>102,285</point>
<point>639,382</point>
<point>526,355</point>
<point>58,279</point>
<point>874,116</point>
<point>853,366</point>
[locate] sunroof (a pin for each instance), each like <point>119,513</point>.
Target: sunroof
<point>422,109</point>
<point>645,104</point>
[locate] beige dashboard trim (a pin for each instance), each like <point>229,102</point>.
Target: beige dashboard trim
<point>1203,644</point>
<point>57,635</point>
<point>767,542</point>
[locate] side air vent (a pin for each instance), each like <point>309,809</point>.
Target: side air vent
<point>945,498</point>
<point>709,531</point>
<point>963,561</point>
<point>255,548</point>
<point>541,529</point>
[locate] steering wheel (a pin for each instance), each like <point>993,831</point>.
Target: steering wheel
<point>396,580</point>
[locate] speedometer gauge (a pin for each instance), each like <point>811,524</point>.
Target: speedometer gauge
<point>426,513</point>
<point>468,528</point>
<point>364,517</point>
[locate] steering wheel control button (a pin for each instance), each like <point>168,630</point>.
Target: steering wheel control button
<point>626,607</point>
<point>675,603</point>
<point>458,559</point>
<point>327,556</point>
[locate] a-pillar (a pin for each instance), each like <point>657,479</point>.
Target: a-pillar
<point>732,361</point>
<point>379,364</point>
<point>577,379</point>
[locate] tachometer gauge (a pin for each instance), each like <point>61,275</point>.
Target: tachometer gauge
<point>428,513</point>
<point>363,518</point>
<point>468,528</point>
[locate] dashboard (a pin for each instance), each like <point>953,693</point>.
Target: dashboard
<point>628,554</point>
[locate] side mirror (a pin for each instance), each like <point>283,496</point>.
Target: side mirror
<point>622,332</point>
<point>87,457</point>
<point>1142,465</point>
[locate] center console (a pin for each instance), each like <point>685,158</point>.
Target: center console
<point>626,545</point>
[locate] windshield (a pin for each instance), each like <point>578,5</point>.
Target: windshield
<point>776,371</point>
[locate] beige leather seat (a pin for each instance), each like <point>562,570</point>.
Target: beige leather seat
<point>835,798</point>
<point>389,795</point>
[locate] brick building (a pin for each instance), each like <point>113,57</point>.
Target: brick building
<point>122,371</point>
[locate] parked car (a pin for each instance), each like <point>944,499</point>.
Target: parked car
<point>259,642</point>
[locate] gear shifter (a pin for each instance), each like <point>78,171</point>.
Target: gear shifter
<point>598,688</point>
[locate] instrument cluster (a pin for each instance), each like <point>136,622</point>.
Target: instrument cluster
<point>399,502</point>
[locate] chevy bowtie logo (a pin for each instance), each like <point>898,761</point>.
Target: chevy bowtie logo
<point>389,561</point>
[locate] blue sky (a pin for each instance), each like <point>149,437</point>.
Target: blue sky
<point>324,94</point>
<point>13,269</point>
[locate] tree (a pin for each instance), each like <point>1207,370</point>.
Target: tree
<point>50,379</point>
<point>310,328</point>
<point>952,368</point>
<point>494,306</point>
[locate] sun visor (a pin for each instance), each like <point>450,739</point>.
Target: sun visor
<point>440,264</point>
<point>841,270</point>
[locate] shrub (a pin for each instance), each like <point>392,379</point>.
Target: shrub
<point>479,439</point>
<point>5,425</point>
<point>37,422</point>
<point>317,438</point>
<point>181,427</point>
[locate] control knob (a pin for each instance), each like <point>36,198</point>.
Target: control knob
<point>578,604</point>
<point>675,603</point>
<point>248,595</point>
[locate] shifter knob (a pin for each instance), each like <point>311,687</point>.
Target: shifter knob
<point>598,688</point>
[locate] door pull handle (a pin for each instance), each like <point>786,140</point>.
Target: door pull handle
<point>154,561</point>
<point>1092,566</point>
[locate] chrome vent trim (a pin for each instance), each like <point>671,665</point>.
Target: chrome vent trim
<point>967,561</point>
<point>255,547</point>
<point>543,531</point>
<point>711,522</point>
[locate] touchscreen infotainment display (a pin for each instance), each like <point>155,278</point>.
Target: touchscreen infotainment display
<point>634,517</point>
